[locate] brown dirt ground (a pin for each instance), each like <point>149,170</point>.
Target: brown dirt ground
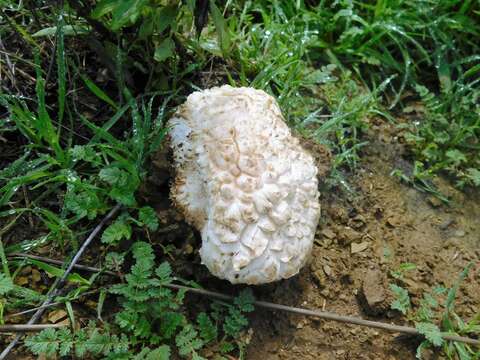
<point>394,224</point>
<point>363,234</point>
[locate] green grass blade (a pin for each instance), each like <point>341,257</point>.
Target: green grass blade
<point>108,125</point>
<point>98,92</point>
<point>61,68</point>
<point>221,28</point>
<point>101,133</point>
<point>57,272</point>
<point>43,122</point>
<point>12,187</point>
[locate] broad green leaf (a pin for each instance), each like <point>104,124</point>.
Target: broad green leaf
<point>100,343</point>
<point>244,301</point>
<point>104,7</point>
<point>127,12</point>
<point>221,28</point>
<point>66,341</point>
<point>456,156</point>
<point>165,17</point>
<point>112,175</point>
<point>83,202</point>
<point>164,50</point>
<point>123,183</point>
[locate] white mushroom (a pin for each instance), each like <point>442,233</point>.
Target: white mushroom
<point>245,183</point>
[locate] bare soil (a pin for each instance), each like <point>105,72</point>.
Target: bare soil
<point>362,236</point>
<point>364,233</point>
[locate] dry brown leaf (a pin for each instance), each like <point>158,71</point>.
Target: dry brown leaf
<point>56,315</point>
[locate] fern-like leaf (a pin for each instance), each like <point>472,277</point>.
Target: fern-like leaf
<point>431,332</point>
<point>45,343</point>
<point>187,341</point>
<point>117,231</point>
<point>148,217</point>
<point>402,302</point>
<point>208,330</point>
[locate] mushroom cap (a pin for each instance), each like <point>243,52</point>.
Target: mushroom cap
<point>245,183</point>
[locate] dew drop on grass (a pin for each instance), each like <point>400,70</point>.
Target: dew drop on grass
<point>71,176</point>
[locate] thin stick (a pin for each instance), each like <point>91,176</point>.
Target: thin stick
<point>315,313</point>
<point>9,316</point>
<point>10,66</point>
<point>326,315</point>
<point>58,262</point>
<point>58,284</point>
<point>26,327</point>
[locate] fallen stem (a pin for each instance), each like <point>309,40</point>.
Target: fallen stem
<point>59,283</point>
<point>25,312</point>
<point>27,327</point>
<point>326,315</point>
<point>57,262</point>
<point>272,306</point>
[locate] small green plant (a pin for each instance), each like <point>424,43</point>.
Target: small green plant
<point>91,177</point>
<point>446,139</point>
<point>154,22</point>
<point>403,268</point>
<point>350,105</point>
<point>151,320</point>
<point>86,341</point>
<point>435,315</point>
<point>420,180</point>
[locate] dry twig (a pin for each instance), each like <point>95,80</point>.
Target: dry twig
<point>25,312</point>
<point>327,315</point>
<point>26,327</point>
